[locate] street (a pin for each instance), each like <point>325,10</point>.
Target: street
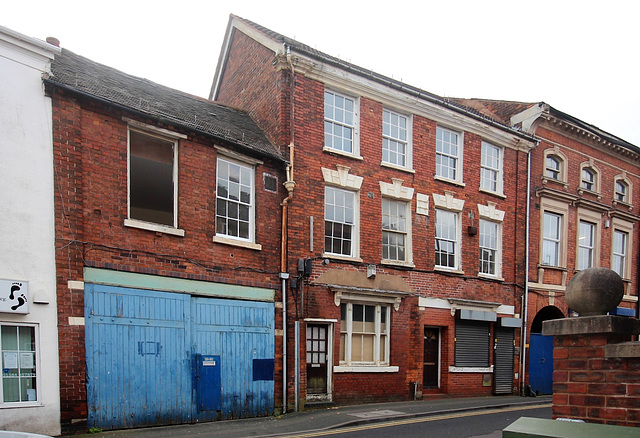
<point>474,424</point>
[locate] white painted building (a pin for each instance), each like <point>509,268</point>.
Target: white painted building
<point>29,393</point>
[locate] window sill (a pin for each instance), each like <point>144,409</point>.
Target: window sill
<point>448,270</point>
<point>239,243</point>
<point>490,277</point>
<point>342,153</point>
<point>454,369</point>
<point>397,167</point>
<point>450,181</point>
<point>149,226</point>
<point>389,262</point>
<point>340,257</point>
<point>21,405</point>
<point>365,369</point>
<point>498,194</point>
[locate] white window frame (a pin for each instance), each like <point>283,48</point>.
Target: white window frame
<point>552,241</point>
<point>230,239</point>
<point>352,206</point>
<point>347,334</point>
<point>396,226</point>
<point>562,210</point>
<point>496,250</point>
<point>586,245</point>
<point>487,169</point>
<point>398,139</point>
<point>458,158</point>
<point>595,183</point>
<point>621,226</point>
<point>594,219</point>
<point>448,204</point>
<point>397,193</point>
<point>622,179</point>
<point>333,122</point>
<point>455,242</point>
<point>163,135</point>
<point>38,376</point>
<point>562,165</point>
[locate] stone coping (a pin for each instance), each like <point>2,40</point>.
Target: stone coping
<point>622,350</point>
<point>584,325</point>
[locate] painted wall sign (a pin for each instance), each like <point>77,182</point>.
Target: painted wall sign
<point>14,296</point>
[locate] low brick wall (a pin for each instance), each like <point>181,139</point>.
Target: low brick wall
<point>596,374</point>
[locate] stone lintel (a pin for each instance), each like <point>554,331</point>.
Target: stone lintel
<point>585,325</point>
<point>623,349</point>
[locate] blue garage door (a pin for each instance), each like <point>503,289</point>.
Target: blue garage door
<point>166,358</point>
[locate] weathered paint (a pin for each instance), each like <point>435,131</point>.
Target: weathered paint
<point>142,348</point>
<point>170,284</point>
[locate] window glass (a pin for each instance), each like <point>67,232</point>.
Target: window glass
<point>586,242</point>
<point>447,153</point>
<point>552,167</point>
<point>364,334</point>
<point>491,168</point>
<point>339,118</point>
<point>151,185</point>
<point>18,347</point>
<point>551,239</point>
<point>446,238</point>
<point>588,179</point>
<point>234,200</point>
<point>621,191</point>
<point>394,138</point>
<point>488,247</point>
<point>619,257</point>
<point>339,220</point>
<point>394,230</point>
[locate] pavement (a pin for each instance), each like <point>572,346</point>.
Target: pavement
<point>327,418</point>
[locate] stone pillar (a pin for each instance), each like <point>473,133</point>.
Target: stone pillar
<point>596,375</point>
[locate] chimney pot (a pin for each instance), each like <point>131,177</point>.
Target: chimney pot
<point>53,41</point>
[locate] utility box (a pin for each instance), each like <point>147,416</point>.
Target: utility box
<point>208,383</point>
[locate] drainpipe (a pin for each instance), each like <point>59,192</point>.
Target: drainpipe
<point>289,184</point>
<point>525,306</point>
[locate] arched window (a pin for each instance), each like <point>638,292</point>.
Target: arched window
<point>552,167</point>
<point>588,179</point>
<point>621,191</point>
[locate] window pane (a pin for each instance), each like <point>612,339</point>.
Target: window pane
<point>234,204</point>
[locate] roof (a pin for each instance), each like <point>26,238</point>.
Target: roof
<point>503,110</point>
<point>81,75</point>
<point>369,74</point>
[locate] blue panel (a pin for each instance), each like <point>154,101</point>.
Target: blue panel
<point>263,369</point>
<point>623,311</point>
<point>541,363</point>
<point>207,382</point>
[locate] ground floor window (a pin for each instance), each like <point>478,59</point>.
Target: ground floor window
<point>18,346</point>
<point>472,343</point>
<point>364,334</point>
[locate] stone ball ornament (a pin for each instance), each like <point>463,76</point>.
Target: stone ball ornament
<point>594,291</point>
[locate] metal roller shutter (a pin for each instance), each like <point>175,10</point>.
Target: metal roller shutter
<point>503,360</point>
<point>472,343</point>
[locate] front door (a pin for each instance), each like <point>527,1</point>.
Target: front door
<point>430,376</point>
<point>317,348</point>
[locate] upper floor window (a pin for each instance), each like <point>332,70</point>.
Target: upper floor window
<point>621,191</point>
<point>340,121</point>
<point>364,334</point>
<point>395,229</point>
<point>339,221</point>
<point>491,168</point>
<point>586,244</point>
<point>552,167</point>
<point>588,181</point>
<point>489,238</point>
<point>395,139</point>
<point>447,239</point>
<point>19,359</point>
<point>152,178</point>
<point>551,239</point>
<point>235,200</point>
<point>619,252</point>
<point>448,154</point>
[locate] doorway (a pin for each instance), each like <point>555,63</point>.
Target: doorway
<point>431,361</point>
<point>318,360</point>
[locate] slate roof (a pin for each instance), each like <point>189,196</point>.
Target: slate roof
<point>79,74</point>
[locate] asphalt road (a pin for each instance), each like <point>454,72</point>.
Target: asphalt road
<point>476,424</point>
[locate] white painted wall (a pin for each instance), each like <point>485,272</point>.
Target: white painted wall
<point>27,230</point>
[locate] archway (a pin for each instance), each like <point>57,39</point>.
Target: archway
<point>541,352</point>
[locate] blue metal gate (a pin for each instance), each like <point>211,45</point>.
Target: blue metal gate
<point>541,363</point>
<point>167,358</point>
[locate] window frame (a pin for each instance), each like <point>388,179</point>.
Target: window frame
<point>457,244</point>
<point>354,226</point>
<point>498,171</point>
<point>354,127</point>
<point>458,158</point>
<point>222,237</point>
<point>38,371</point>
<point>407,141</point>
<point>622,226</point>
<point>497,251</point>
<point>555,154</point>
<point>347,333</point>
<point>162,135</point>
<point>405,233</point>
<point>626,183</point>
<point>595,219</point>
<point>560,209</point>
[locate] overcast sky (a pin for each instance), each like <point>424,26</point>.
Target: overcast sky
<point>581,57</point>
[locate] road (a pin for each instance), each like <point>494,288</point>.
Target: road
<point>475,424</point>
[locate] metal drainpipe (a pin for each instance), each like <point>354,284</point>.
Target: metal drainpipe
<point>525,307</point>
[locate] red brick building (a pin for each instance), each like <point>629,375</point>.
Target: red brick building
<point>406,226</point>
<point>584,213</point>
<point>168,240</point>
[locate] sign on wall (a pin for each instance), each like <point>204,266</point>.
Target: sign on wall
<point>14,296</point>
